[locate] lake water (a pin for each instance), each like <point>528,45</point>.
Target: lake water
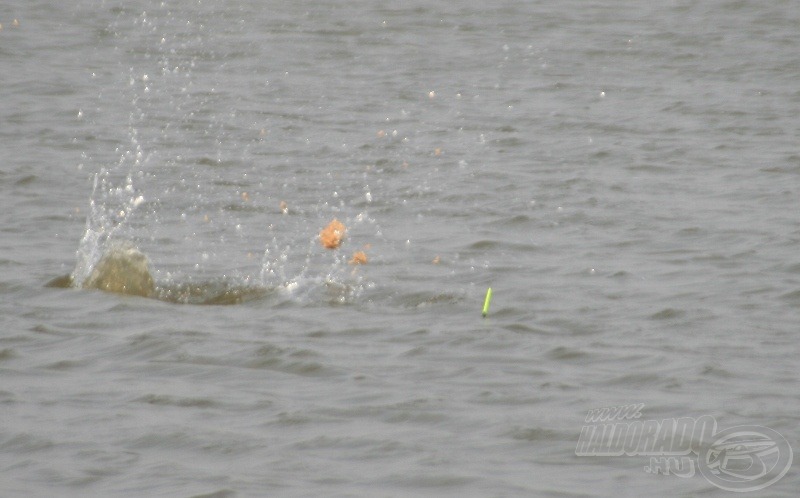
<point>624,176</point>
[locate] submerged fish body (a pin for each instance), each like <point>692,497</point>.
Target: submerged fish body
<point>123,269</point>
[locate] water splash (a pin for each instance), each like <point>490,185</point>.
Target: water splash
<point>308,271</point>
<point>190,187</point>
<point>111,209</point>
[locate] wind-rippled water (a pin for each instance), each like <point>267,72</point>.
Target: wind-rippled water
<point>624,176</point>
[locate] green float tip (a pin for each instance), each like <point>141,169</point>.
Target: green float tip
<point>487,301</point>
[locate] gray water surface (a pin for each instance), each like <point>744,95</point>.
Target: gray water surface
<point>625,177</point>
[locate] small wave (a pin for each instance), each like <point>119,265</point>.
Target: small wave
<point>668,314</point>
<point>424,299</point>
<point>162,400</point>
<point>204,293</point>
<point>210,293</point>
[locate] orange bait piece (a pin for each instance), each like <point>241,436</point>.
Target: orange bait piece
<point>359,258</point>
<point>331,236</point>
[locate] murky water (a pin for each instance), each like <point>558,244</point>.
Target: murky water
<point>625,178</point>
